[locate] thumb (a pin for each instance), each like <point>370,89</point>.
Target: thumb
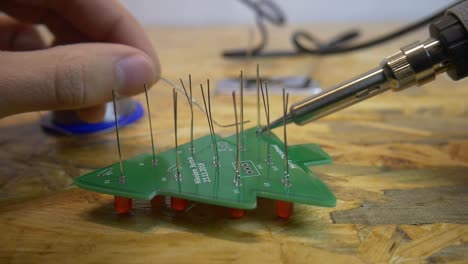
<point>71,76</point>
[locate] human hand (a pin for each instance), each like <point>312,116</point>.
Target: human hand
<point>98,46</point>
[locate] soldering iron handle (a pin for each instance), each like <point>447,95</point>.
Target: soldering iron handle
<point>451,31</point>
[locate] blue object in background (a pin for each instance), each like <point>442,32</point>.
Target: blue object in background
<point>67,123</point>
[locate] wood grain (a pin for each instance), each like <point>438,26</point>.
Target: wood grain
<point>400,173</point>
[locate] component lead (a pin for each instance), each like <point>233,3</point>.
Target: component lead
<point>242,110</point>
<point>190,101</point>
<point>266,105</point>
<point>258,98</point>
<point>155,161</point>
<point>286,158</point>
<point>177,176</point>
<point>237,179</point>
<point>209,118</point>
<point>122,176</point>
<point>215,143</point>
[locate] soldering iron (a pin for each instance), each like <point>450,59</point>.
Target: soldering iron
<point>414,65</point>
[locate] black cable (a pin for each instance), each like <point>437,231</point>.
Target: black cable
<point>334,46</point>
<point>261,9</point>
<point>390,36</point>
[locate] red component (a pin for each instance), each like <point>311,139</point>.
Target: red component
<point>178,204</point>
<point>284,209</point>
<point>237,213</point>
<point>157,201</point>
<point>122,205</point>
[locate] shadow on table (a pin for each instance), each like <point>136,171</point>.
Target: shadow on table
<point>214,221</point>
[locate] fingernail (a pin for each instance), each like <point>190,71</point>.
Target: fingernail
<point>133,71</point>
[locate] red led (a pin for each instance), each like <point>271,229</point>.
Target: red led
<point>284,209</point>
<point>237,213</point>
<point>122,205</point>
<point>178,204</point>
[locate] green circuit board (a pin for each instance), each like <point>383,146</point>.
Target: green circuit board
<point>202,180</point>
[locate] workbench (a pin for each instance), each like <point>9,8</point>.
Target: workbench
<point>400,171</point>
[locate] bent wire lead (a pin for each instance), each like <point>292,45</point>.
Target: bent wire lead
<point>266,105</point>
<point>190,102</point>
<point>237,164</point>
<point>213,135</point>
<point>210,124</point>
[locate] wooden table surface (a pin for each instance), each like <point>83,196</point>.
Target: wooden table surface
<point>400,172</point>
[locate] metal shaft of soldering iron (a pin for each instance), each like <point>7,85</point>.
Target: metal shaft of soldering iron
<point>415,64</point>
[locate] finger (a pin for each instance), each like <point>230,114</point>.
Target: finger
<point>71,77</point>
<point>93,114</point>
<point>16,36</point>
<point>106,20</point>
